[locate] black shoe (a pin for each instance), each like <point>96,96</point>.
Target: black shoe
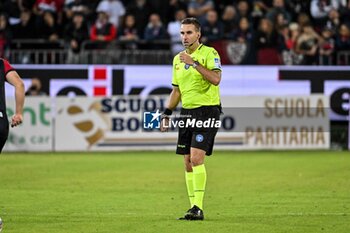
<point>195,213</point>
<point>184,218</point>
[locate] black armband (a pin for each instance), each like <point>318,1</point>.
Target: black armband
<point>168,112</point>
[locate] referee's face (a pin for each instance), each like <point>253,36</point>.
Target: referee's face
<point>189,35</point>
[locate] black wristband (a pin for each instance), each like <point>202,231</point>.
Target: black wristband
<point>168,112</point>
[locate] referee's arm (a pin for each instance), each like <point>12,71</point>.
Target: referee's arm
<point>174,98</point>
<point>212,76</point>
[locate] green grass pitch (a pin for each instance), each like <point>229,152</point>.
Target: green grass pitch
<point>296,191</point>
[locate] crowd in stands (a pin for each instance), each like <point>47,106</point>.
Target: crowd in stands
<point>244,31</point>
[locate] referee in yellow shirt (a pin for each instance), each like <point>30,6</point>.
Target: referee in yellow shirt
<point>196,78</point>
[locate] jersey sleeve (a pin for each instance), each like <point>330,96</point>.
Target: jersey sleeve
<point>7,67</point>
<point>213,60</point>
<point>174,81</point>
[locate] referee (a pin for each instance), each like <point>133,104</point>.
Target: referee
<point>196,76</point>
<point>7,73</point>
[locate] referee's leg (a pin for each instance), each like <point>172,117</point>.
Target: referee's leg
<point>199,176</point>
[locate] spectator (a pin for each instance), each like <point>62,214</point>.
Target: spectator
<point>53,6</point>
<point>289,38</point>
<point>35,88</point>
<point>303,19</point>
<point>13,10</point>
<point>342,40</point>
<point>308,45</point>
<point>154,31</point>
<point>199,9</point>
<point>174,29</point>
<point>141,10</point>
<point>333,19</point>
<point>75,34</point>
<point>267,44</point>
<point>174,6</point>
<point>103,30</point>
<point>327,47</point>
<point>26,28</point>
<point>115,10</point>
<point>212,28</point>
<point>73,6</point>
<point>47,28</point>
<point>5,36</point>
<point>320,9</point>
<point>278,9</point>
<point>244,35</point>
<point>229,21</point>
<point>128,33</point>
<point>243,9</point>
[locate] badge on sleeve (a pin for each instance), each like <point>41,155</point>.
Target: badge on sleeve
<point>217,63</point>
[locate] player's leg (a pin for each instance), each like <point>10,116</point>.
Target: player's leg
<point>4,130</point>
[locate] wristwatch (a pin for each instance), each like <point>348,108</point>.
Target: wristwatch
<point>195,64</point>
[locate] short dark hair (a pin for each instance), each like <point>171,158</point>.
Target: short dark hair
<point>192,21</point>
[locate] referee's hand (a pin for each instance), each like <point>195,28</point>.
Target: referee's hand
<point>164,124</point>
<point>16,120</point>
<point>186,58</point>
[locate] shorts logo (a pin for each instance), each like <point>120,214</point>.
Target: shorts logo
<point>199,138</point>
<point>187,66</point>
<point>151,120</point>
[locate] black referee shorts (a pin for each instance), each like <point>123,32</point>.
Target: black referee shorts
<point>4,131</point>
<point>198,137</point>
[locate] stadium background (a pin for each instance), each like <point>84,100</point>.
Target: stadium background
<point>270,49</point>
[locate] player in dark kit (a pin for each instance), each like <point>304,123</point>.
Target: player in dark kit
<point>196,78</point>
<point>8,74</point>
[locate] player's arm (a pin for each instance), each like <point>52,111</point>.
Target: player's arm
<point>212,76</point>
<point>13,78</point>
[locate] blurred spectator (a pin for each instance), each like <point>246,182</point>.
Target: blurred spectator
<point>320,9</point>
<point>333,19</point>
<point>278,10</point>
<point>115,10</point>
<point>174,6</point>
<point>308,45</point>
<point>243,9</point>
<point>5,36</point>
<point>128,33</point>
<point>297,7</point>
<point>47,28</point>
<point>327,47</point>
<point>72,6</point>
<point>345,12</point>
<point>267,44</point>
<point>155,31</point>
<point>102,30</point>
<point>303,19</point>
<point>289,35</point>
<point>53,6</point>
<point>141,10</point>
<point>35,88</point>
<point>199,8</point>
<point>342,40</point>
<point>13,10</point>
<point>26,28</point>
<point>229,21</point>
<point>174,28</point>
<point>75,34</point>
<point>212,28</point>
<point>244,35</point>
